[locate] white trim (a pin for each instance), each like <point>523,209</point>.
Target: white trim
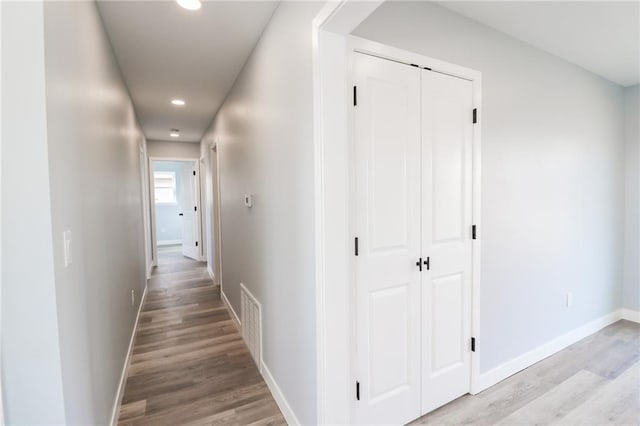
<point>271,382</point>
<point>630,315</point>
<point>150,270</point>
<point>152,206</point>
<point>283,404</point>
<point>123,377</point>
<point>169,242</point>
<point>333,47</point>
<point>211,274</point>
<point>330,29</point>
<point>543,351</point>
<point>232,312</point>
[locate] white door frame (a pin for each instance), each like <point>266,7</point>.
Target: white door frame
<point>152,201</point>
<point>146,210</point>
<point>202,185</point>
<point>333,48</point>
<point>216,231</point>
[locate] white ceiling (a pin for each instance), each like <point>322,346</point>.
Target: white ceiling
<point>167,52</point>
<point>600,36</point>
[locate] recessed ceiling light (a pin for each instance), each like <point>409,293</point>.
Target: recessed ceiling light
<point>175,133</point>
<point>190,4</point>
<point>177,102</point>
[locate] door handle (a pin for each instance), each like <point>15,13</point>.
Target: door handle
<point>419,264</point>
<point>180,214</point>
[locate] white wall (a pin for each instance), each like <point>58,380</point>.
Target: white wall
<point>631,292</point>
<point>552,177</point>
<point>167,149</point>
<point>96,193</point>
<point>85,155</point>
<point>32,387</point>
<point>265,147</point>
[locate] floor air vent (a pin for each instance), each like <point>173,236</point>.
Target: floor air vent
<point>251,319</point>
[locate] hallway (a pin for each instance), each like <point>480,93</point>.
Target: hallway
<point>189,363</point>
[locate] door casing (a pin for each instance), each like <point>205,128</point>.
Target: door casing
<point>332,49</point>
<point>152,205</point>
<point>336,347</point>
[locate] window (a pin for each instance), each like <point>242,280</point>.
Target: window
<point>164,184</point>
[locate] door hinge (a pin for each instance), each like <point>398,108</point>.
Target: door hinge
<point>357,390</point>
<point>355,95</point>
<point>195,208</point>
<point>474,236</point>
<point>196,244</point>
<point>419,264</point>
<point>475,115</point>
<point>194,172</point>
<point>473,344</point>
<point>356,245</point>
<point>427,263</point>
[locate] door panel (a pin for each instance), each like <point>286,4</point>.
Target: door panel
<point>446,317</point>
<point>389,340</point>
<point>446,238</point>
<point>387,158</point>
<point>190,216</point>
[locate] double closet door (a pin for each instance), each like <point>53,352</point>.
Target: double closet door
<point>413,153</point>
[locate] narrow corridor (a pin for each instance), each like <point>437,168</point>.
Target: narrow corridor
<point>189,363</point>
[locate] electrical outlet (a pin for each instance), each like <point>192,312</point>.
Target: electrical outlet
<point>133,297</point>
<point>569,299</point>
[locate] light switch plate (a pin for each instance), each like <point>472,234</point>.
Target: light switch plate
<point>569,299</point>
<point>66,240</point>
<point>248,200</point>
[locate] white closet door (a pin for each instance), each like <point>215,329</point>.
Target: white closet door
<point>387,158</point>
<point>189,214</point>
<point>446,238</point>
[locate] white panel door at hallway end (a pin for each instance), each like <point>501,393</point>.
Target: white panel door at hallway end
<point>447,109</point>
<point>189,213</point>
<point>387,169</point>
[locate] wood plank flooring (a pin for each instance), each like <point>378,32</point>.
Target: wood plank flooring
<point>596,381</point>
<point>189,364</point>
<point>190,367</point>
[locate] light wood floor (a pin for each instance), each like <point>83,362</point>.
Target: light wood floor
<point>190,366</point>
<point>593,382</point>
<point>189,363</point>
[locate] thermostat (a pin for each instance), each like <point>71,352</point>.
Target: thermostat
<point>248,200</point>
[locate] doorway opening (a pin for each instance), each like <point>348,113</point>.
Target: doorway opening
<point>176,208</point>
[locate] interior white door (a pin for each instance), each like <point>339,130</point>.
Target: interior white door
<point>387,161</point>
<point>189,212</point>
<point>446,237</point>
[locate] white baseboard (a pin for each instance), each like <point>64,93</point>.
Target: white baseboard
<point>150,270</point>
<point>630,315</point>
<point>211,274</point>
<point>123,377</point>
<point>233,314</point>
<point>283,404</point>
<point>543,351</point>
<point>278,396</point>
<point>169,242</point>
